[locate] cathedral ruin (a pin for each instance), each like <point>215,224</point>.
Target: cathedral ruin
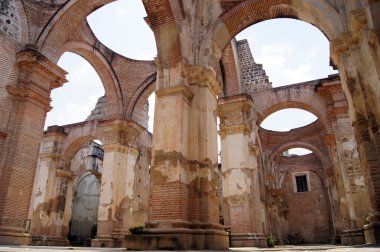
<point>60,186</point>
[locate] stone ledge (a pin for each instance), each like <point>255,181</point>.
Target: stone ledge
<point>150,242</point>
<point>176,242</point>
<point>248,240</point>
<point>49,241</point>
<point>353,237</point>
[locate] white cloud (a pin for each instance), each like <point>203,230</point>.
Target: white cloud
<point>121,10</point>
<point>78,111</point>
<point>298,74</point>
<point>74,101</point>
<point>273,56</point>
<point>313,53</point>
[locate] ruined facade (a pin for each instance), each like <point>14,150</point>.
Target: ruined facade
<point>170,182</point>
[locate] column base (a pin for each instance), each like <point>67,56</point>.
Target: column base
<point>176,242</point>
<point>372,233</point>
<point>118,237</point>
<point>168,235</point>
<point>14,236</point>
<point>103,242</point>
<point>248,240</point>
<point>49,241</point>
<point>352,237</point>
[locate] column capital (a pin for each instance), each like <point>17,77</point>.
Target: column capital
<point>32,65</point>
<point>235,113</point>
<point>358,31</point>
<point>203,77</point>
<point>120,133</point>
<point>51,144</point>
<point>37,77</point>
<point>183,89</point>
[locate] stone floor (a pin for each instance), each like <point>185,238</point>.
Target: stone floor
<point>328,248</point>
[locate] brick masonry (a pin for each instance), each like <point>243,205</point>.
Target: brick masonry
<point>187,73</point>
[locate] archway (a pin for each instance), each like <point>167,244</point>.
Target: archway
<point>303,193</point>
<point>74,101</point>
<point>230,23</point>
<point>83,224</point>
<point>84,193</point>
<point>289,118</point>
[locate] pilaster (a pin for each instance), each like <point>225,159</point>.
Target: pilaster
<point>244,209</point>
<point>30,101</point>
<point>116,213</point>
<point>184,201</point>
<point>356,53</point>
<point>49,192</point>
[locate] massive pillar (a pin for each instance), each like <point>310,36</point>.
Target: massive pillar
<point>347,166</point>
<point>48,225</point>
<point>117,213</point>
<point>356,53</point>
<point>244,209</point>
<point>30,102</point>
<point>184,200</point>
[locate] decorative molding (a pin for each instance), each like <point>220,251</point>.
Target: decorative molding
<point>234,129</point>
<point>235,115</point>
<point>180,89</point>
<point>38,70</point>
<point>64,173</point>
<point>25,94</point>
<point>203,77</point>
<point>120,133</point>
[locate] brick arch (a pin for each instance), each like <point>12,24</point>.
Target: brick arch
<point>84,174</point>
<point>72,14</point>
<point>325,160</point>
<point>24,25</point>
<point>78,135</point>
<point>63,24</point>
<point>321,14</point>
<point>104,70</point>
<point>140,97</point>
<point>301,96</point>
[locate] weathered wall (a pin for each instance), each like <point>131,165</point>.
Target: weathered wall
<point>191,36</point>
<point>307,215</point>
<point>252,75</point>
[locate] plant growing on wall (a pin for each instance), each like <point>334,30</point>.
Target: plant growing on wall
<point>137,230</point>
<point>271,242</point>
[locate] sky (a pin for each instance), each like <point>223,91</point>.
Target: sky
<point>291,51</point>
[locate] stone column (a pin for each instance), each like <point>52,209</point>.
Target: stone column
<point>244,209</point>
<point>184,202</point>
<point>30,102</point>
<point>356,53</point>
<point>49,192</point>
<point>116,213</point>
<point>336,188</point>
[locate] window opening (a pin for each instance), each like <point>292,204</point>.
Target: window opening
<point>301,183</point>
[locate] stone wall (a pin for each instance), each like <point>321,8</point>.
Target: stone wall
<point>9,19</point>
<point>307,218</point>
<point>252,75</point>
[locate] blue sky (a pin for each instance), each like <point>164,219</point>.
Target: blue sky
<point>291,51</point>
